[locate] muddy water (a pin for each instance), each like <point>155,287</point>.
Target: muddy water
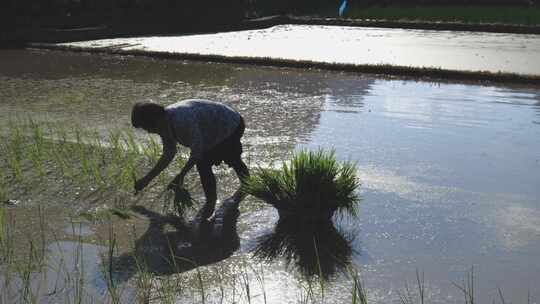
<point>450,172</point>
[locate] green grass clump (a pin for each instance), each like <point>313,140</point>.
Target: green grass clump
<point>44,157</point>
<point>313,184</point>
<point>182,200</point>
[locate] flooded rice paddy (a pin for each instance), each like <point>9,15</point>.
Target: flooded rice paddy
<point>450,176</point>
<point>460,51</point>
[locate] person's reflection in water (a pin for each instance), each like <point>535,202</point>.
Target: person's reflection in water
<point>315,248</point>
<point>186,246</point>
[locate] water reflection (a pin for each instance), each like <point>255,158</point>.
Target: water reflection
<point>537,106</point>
<point>314,248</point>
<point>56,65</point>
<point>170,245</point>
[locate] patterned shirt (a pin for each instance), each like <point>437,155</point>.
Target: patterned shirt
<point>201,124</point>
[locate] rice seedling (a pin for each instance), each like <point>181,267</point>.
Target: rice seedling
<point>467,287</point>
<point>152,151</point>
<point>7,240</point>
<point>24,272</point>
<point>246,283</point>
<point>131,143</point>
<point>501,297</point>
<point>181,199</point>
<point>406,296</point>
<point>200,280</point>
<point>219,274</point>
<point>96,172</point>
<point>108,266</point>
<point>82,156</point>
<point>36,149</point>
<point>115,146</point>
<point>312,186</point>
<point>167,290</point>
<point>259,276</point>
<point>79,270</point>
<point>82,160</point>
<point>143,278</point>
<point>59,160</point>
<point>58,151</point>
<point>14,152</point>
<point>359,293</point>
<point>3,190</point>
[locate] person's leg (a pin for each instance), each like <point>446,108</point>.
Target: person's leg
<point>236,161</point>
<point>242,172</point>
<point>240,168</point>
<point>208,181</point>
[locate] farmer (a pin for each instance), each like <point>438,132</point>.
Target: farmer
<point>211,130</point>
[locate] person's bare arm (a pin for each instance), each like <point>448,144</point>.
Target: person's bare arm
<point>169,151</point>
<point>196,154</point>
<point>179,179</point>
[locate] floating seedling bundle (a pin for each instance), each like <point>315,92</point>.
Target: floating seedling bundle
<point>311,187</point>
<point>307,192</point>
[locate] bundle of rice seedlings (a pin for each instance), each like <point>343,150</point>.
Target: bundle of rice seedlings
<point>312,186</point>
<point>181,199</point>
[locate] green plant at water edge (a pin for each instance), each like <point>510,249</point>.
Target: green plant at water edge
<point>3,190</point>
<point>312,183</point>
<point>34,155</point>
<point>14,152</point>
<point>107,268</point>
<point>6,238</point>
<point>359,293</point>
<point>180,198</point>
<point>406,296</point>
<point>467,287</point>
<point>37,148</point>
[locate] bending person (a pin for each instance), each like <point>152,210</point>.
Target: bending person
<point>210,129</point>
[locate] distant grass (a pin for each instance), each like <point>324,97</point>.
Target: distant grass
<point>313,185</point>
<point>457,13</point>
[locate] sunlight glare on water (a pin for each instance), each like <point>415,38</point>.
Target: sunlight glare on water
<point>494,52</point>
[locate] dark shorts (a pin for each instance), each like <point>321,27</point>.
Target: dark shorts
<point>228,151</point>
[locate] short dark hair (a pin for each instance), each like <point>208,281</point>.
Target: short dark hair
<point>146,114</point>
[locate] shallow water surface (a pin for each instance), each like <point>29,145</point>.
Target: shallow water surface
<point>462,51</point>
<point>450,172</point>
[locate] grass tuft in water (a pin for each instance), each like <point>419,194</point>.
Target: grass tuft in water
<point>182,200</point>
<point>312,184</point>
<point>41,157</point>
<point>467,287</point>
<point>7,240</point>
<point>359,292</point>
